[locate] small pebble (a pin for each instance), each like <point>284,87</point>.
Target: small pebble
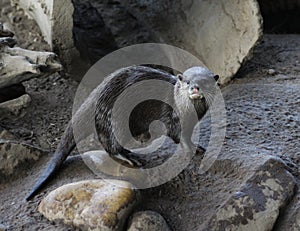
<point>271,72</point>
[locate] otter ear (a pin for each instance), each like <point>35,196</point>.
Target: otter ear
<point>180,77</point>
<point>216,77</point>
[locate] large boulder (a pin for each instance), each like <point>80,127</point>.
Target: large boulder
<point>220,33</point>
<point>91,205</point>
<point>256,205</point>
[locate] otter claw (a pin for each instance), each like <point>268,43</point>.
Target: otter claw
<point>128,159</point>
<point>135,163</point>
<point>200,150</point>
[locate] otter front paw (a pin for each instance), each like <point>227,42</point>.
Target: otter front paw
<point>127,161</point>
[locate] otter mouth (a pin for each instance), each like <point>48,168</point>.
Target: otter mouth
<point>196,96</point>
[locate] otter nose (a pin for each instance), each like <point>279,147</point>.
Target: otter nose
<point>195,89</point>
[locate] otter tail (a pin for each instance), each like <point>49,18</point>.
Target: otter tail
<point>66,145</point>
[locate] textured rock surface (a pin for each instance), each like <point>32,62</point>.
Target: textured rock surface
<point>12,154</point>
<point>55,20</point>
<point>16,66</point>
<point>14,107</point>
<point>3,227</point>
<point>220,33</point>
<point>293,221</point>
<point>91,205</point>
<point>6,135</point>
<point>203,28</point>
<point>19,65</point>
<point>291,216</point>
<point>256,205</point>
<point>147,221</point>
<point>296,224</point>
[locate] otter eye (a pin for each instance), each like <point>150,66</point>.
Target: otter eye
<point>187,82</point>
<point>180,77</point>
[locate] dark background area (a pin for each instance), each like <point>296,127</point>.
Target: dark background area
<point>281,16</point>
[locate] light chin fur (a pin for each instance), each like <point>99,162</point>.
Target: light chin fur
<point>195,96</point>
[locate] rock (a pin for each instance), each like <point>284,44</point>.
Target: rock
<point>3,227</point>
<point>91,205</point>
<point>292,223</point>
<point>290,219</point>
<point>104,166</point>
<point>257,204</point>
<point>6,135</point>
<point>7,41</point>
<point>296,224</point>
<point>55,19</point>
<point>19,65</point>
<point>4,32</point>
<point>147,221</point>
<point>22,132</point>
<point>13,154</point>
<point>220,33</point>
<point>271,72</point>
<point>14,107</point>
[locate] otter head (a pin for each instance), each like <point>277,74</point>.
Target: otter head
<point>196,82</point>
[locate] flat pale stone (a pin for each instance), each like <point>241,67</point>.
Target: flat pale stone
<point>20,65</point>
<point>91,205</point>
<point>148,221</point>
<point>13,153</point>
<point>256,205</point>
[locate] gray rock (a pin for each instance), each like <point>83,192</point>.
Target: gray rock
<point>4,32</point>
<point>296,224</point>
<point>290,219</point>
<point>233,30</point>
<point>256,205</point>
<point>3,227</point>
<point>21,65</point>
<point>13,153</point>
<point>55,20</point>
<point>14,107</point>
<point>147,221</point>
<point>91,205</point>
<point>271,72</point>
<point>6,135</point>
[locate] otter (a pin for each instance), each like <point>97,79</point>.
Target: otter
<point>193,87</point>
